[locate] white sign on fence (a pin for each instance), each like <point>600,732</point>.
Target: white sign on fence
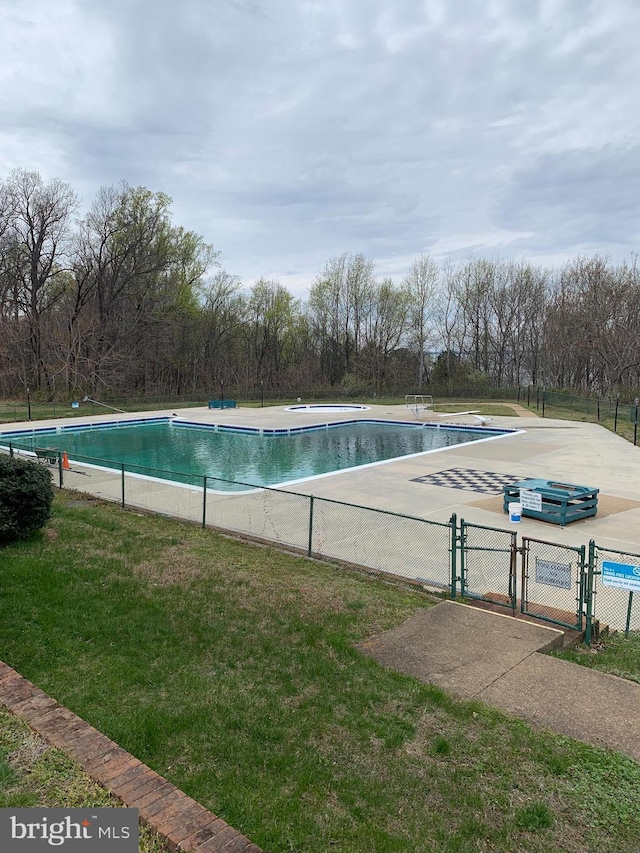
<point>531,500</point>
<point>553,574</point>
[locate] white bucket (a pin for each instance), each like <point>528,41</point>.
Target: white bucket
<point>515,512</point>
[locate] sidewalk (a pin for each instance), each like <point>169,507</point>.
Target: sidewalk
<point>476,654</point>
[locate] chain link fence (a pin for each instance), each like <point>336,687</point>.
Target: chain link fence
<point>553,582</point>
<point>273,515</point>
<point>397,544</point>
<point>621,418</point>
<point>488,564</point>
<point>402,545</point>
<point>614,607</point>
<point>559,584</point>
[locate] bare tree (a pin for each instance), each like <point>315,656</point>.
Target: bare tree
<point>421,283</point>
<point>387,325</point>
<point>337,312</point>
<point>36,256</point>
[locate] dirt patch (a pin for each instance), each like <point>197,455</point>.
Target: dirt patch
<point>177,564</point>
<point>522,412</point>
<point>31,750</point>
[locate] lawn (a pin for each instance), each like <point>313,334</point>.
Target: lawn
<point>625,428</point>
<point>615,654</point>
<point>230,669</point>
<point>32,773</point>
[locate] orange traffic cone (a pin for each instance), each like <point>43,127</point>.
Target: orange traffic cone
<point>65,461</point>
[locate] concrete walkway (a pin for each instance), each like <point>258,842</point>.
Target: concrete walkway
<point>476,654</point>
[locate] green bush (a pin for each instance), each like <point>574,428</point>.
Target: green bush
<point>26,495</point>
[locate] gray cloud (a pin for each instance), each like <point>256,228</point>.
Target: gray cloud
<point>590,197</point>
<point>290,131</point>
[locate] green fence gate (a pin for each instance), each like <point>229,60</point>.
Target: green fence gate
<point>488,564</point>
<point>554,585</point>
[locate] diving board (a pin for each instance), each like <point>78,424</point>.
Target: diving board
<point>419,403</point>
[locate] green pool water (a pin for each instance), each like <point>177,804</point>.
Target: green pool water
<point>187,453</point>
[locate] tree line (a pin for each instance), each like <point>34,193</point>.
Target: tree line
<point>121,301</point>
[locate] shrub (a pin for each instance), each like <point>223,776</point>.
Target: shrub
<point>26,495</point>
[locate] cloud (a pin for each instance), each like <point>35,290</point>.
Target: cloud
<point>289,132</point>
<point>590,196</point>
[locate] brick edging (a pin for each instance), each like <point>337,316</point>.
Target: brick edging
<point>183,822</point>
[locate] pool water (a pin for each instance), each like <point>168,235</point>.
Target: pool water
<point>187,452</point>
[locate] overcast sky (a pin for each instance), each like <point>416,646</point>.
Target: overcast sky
<point>288,132</point>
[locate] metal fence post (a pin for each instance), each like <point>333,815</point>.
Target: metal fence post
<point>454,547</point>
<point>635,426</point>
<point>588,592</point>
<point>310,543</point>
<point>629,607</point>
<point>11,450</point>
<point>615,418</point>
<point>204,502</point>
<point>60,469</point>
<point>122,476</point>
<point>513,568</point>
<point>543,394</point>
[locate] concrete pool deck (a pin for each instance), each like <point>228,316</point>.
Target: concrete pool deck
<point>569,451</point>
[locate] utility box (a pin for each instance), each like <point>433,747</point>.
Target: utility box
<point>552,501</point>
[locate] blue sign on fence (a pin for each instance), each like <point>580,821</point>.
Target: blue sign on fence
<point>622,575</point>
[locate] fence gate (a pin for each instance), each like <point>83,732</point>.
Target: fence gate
<point>554,582</point>
<point>488,564</point>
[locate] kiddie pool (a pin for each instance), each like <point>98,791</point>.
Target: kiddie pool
<point>327,408</point>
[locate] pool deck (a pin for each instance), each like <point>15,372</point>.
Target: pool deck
<point>582,453</point>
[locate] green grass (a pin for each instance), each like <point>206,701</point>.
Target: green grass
<point>32,773</point>
<point>231,670</point>
<point>625,428</point>
<point>483,407</point>
<point>41,411</point>
<point>615,654</point>
<point>44,411</point>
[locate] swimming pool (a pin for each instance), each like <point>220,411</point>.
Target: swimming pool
<point>185,452</point>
